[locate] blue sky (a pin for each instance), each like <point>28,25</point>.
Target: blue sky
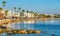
<point>40,6</point>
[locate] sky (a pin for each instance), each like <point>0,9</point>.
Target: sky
<point>39,6</point>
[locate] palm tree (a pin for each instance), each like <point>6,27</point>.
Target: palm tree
<point>4,3</point>
<point>23,13</point>
<point>27,13</point>
<point>15,9</point>
<point>19,9</point>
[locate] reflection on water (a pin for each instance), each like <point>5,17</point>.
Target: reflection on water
<point>50,21</point>
<point>29,22</point>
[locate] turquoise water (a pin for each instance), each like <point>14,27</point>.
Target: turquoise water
<point>49,26</point>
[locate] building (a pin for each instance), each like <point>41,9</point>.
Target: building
<point>27,15</point>
<point>16,14</point>
<point>11,14</point>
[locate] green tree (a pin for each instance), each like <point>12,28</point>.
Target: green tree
<point>23,10</point>
<point>6,12</point>
<point>36,14</point>
<point>42,15</point>
<point>1,9</point>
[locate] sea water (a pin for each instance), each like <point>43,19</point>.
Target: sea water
<point>49,26</point>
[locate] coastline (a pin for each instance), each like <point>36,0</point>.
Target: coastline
<point>20,20</point>
<point>6,21</point>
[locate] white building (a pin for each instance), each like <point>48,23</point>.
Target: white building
<point>16,14</point>
<point>25,14</point>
